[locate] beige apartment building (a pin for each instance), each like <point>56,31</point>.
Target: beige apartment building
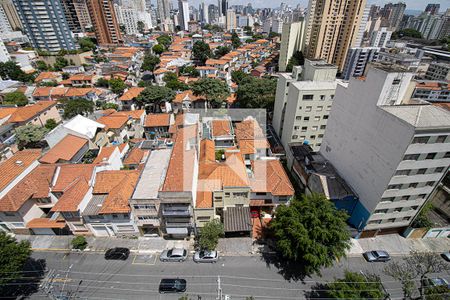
<point>332,28</point>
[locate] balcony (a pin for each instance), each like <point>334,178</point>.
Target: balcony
<point>153,222</point>
<point>178,225</point>
<point>177,212</point>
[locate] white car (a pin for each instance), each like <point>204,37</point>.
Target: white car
<point>203,256</point>
<point>174,254</point>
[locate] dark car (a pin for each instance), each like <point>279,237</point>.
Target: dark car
<point>117,253</point>
<point>446,256</point>
<point>172,285</point>
<point>377,255</point>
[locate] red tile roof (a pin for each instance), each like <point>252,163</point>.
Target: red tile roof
<point>131,93</point>
<point>221,127</point>
<point>113,121</point>
<point>104,154</point>
<point>15,165</point>
<point>46,223</point>
<point>72,196</point>
<point>269,176</point>
<point>65,150</point>
<point>69,173</point>
<point>29,112</point>
<point>157,120</point>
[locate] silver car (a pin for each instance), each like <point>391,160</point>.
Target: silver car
<point>174,254</point>
<point>377,255</point>
<point>203,256</point>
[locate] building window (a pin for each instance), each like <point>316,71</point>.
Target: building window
<point>441,139</point>
<point>431,155</point>
<point>304,128</point>
<point>9,214</point>
<point>296,127</point>
<point>398,209</point>
<point>115,216</point>
<point>294,137</point>
<point>319,108</point>
<point>405,197</point>
<point>447,155</point>
<point>406,218</point>
<point>414,207</point>
<point>439,170</point>
<point>331,97</point>
<point>390,220</point>
<point>298,118</point>
<point>420,140</point>
<point>328,107</point>
<point>308,108</point>
<point>394,187</point>
<point>396,82</point>
<point>388,199</point>
<point>320,136</point>
<point>325,117</point>
<point>430,183</point>
<point>380,211</point>
<point>411,157</point>
<point>302,137</point>
<point>317,118</point>
<point>323,127</point>
<point>402,172</point>
<point>308,97</point>
<point>421,171</point>
<point>413,185</point>
<point>375,222</point>
<point>312,137</point>
<point>306,119</point>
<point>315,128</point>
<point>322,97</point>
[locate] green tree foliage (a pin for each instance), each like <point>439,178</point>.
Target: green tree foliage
<point>356,286</point>
<point>79,243</point>
<point>50,124</point>
<point>235,41</point>
<point>297,59</point>
<point>86,44</point>
<point>238,76</point>
<point>201,51</point>
<point>140,27</point>
<point>77,106</point>
<point>169,76</point>
<point>440,292</point>
<point>13,257</point>
<point>117,86</point>
<point>407,32</point>
<point>257,36</point>
<point>311,231</point>
<point>213,28</point>
<point>30,136</point>
<point>154,95</point>
<point>48,83</point>
<point>65,75</point>
<point>60,63</point>
<point>210,234</point>
<point>150,62</point>
<point>102,82</point>
<point>273,34</point>
<point>158,49</point>
<point>221,51</point>
<point>422,220</point>
<point>213,90</point>
<point>248,30</point>
<point>41,65</point>
<point>189,71</point>
<point>164,40</point>
<point>172,82</point>
<point>256,92</point>
<point>110,105</point>
<point>15,98</point>
<point>11,70</point>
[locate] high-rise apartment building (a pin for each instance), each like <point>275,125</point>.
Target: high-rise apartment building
<point>104,21</point>
<point>163,10</point>
<point>128,17</point>
<point>391,150</point>
<point>303,102</point>
<point>4,54</point>
<point>82,12</point>
<point>393,14</point>
<point>332,28</point>
<point>213,13</point>
<point>380,37</point>
<point>438,71</point>
<point>71,16</point>
<point>203,10</point>
<point>231,20</point>
<point>45,24</point>
<point>291,41</point>
<point>362,27</point>
<point>357,60</point>
<point>183,14</point>
<point>432,8</point>
<point>5,26</point>
<point>223,7</point>
<point>10,13</point>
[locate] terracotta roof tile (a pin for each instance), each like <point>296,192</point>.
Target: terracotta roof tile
<point>47,75</point>
<point>249,130</point>
<point>269,176</point>
<point>35,185</point>
<point>104,154</point>
<point>68,173</point>
<point>251,146</point>
<point>65,150</point>
<point>131,93</point>
<point>186,95</point>
<point>135,156</point>
<point>134,114</point>
<point>157,120</point>
<point>72,196</point>
<point>15,165</point>
<point>81,92</point>
<point>46,223</point>
<point>221,127</point>
<point>7,111</point>
<point>28,112</point>
<point>113,121</point>
<point>42,91</point>
<point>79,77</point>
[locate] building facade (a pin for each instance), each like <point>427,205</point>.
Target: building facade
<point>438,71</point>
<point>357,60</point>
<point>380,37</point>
<point>104,21</point>
<point>291,41</point>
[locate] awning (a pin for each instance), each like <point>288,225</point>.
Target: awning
<point>172,230</point>
<point>237,219</point>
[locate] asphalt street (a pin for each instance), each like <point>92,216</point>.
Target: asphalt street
<point>93,277</point>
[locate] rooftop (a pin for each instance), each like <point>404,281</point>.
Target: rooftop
<point>65,150</point>
<point>15,165</point>
<point>420,116</point>
<point>157,120</point>
<point>28,112</point>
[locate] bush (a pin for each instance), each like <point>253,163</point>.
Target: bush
<point>79,243</point>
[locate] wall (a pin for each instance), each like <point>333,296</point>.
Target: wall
<point>51,113</point>
<point>78,59</point>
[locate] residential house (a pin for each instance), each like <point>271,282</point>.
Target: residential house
<point>128,99</point>
<point>35,114</point>
<point>207,71</point>
<point>157,125</point>
<point>116,127</point>
<point>187,100</point>
<point>48,77</point>
<point>111,156</point>
<point>159,76</point>
<point>80,80</point>
<point>222,132</point>
<point>135,158</point>
<point>70,149</point>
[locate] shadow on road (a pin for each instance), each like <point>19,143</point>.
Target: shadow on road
<point>291,271</point>
<point>26,283</point>
<point>318,291</point>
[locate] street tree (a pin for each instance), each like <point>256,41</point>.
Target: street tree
<point>13,257</point>
<point>356,286</point>
<point>210,234</point>
<point>77,106</point>
<point>158,49</point>
<point>213,90</point>
<point>15,98</point>
<point>238,76</point>
<point>221,51</point>
<point>50,124</point>
<point>117,86</point>
<point>172,82</point>
<point>150,62</point>
<point>110,105</point>
<point>164,40</point>
<point>256,93</point>
<point>440,292</point>
<point>297,59</point>
<point>235,41</point>
<point>102,82</point>
<point>60,63</point>
<point>30,136</point>
<point>189,71</point>
<point>86,44</point>
<point>201,51</point>
<point>11,70</point>
<point>152,96</point>
<point>403,273</point>
<point>311,231</point>
<point>41,65</point>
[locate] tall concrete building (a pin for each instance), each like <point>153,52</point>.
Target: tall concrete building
<point>357,60</point>
<point>231,20</point>
<point>291,42</point>
<point>362,27</point>
<point>332,28</point>
<point>104,21</point>
<point>433,8</point>
<point>5,26</point>
<point>380,37</point>
<point>204,16</point>
<point>10,13</point>
<point>393,14</point>
<point>183,14</point>
<point>45,24</point>
<point>223,7</point>
<point>303,102</point>
<point>82,12</point>
<point>391,150</point>
<point>163,10</point>
<point>71,16</point>
<point>4,54</point>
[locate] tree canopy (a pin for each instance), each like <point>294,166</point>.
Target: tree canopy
<point>221,51</point>
<point>77,106</point>
<point>407,32</point>
<point>13,257</point>
<point>356,286</point>
<point>201,51</point>
<point>41,65</point>
<point>117,86</point>
<point>213,90</point>
<point>256,92</point>
<point>210,234</point>
<point>238,76</point>
<point>140,27</point>
<point>150,61</point>
<point>158,49</point>
<point>164,40</point>
<point>102,82</point>
<point>189,71</point>
<point>311,231</point>
<point>60,63</point>
<point>30,136</point>
<point>297,59</point>
<point>235,41</point>
<point>16,98</point>
<point>154,95</point>
<point>172,82</point>
<point>11,70</point>
<point>50,124</point>
<point>86,44</point>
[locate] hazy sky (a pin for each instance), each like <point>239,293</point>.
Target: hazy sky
<point>410,4</point>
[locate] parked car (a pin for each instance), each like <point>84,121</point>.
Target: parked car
<point>117,253</point>
<point>446,256</point>
<point>376,256</point>
<point>174,254</point>
<point>203,256</point>
<point>172,285</point>
<point>437,281</point>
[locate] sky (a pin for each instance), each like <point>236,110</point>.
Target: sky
<point>410,4</point>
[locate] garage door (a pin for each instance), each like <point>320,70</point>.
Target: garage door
<point>100,230</point>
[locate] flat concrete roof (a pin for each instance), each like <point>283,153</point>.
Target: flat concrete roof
<point>153,175</point>
<point>420,116</point>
